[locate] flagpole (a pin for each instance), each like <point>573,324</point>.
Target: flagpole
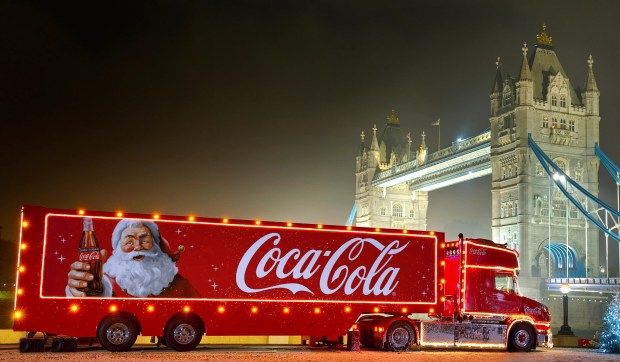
<point>438,124</point>
<point>439,141</point>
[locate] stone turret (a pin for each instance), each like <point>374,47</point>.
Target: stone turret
<point>525,85</point>
<point>591,94</point>
<point>496,91</point>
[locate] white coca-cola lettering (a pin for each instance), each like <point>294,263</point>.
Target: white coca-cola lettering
<point>477,251</point>
<point>532,311</point>
<point>90,256</point>
<point>337,274</point>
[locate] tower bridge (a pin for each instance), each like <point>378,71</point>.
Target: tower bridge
<point>540,126</point>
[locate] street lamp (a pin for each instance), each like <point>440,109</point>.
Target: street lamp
<point>565,329</point>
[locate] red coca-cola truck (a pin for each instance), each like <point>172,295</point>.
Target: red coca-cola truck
<point>178,278</point>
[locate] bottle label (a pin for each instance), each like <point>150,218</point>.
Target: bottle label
<point>89,254</point>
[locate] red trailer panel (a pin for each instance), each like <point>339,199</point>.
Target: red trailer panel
<point>238,277</point>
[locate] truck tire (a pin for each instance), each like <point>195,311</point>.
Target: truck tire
<point>31,345</point>
<point>183,333</point>
<point>117,333</point>
<point>399,336</point>
<point>521,338</point>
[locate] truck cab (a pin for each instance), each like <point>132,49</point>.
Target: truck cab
<point>480,307</point>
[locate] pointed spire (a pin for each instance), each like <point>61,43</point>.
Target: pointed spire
<point>423,145</point>
<point>362,145</point>
<point>374,146</point>
<point>498,82</point>
<point>526,74</point>
<point>590,81</point>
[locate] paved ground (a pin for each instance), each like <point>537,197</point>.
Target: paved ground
<point>305,354</point>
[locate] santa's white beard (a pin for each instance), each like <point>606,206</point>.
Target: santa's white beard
<point>141,278</point>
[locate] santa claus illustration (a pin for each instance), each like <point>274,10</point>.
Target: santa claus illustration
<point>141,265</point>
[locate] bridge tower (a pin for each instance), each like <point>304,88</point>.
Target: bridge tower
<point>526,211</point>
<point>388,207</point>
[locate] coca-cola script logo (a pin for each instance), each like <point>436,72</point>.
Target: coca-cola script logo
<point>477,251</point>
<point>338,272</point>
<point>89,255</point>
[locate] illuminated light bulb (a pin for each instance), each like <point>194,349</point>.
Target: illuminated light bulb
<point>25,224</point>
<point>257,222</point>
<point>432,310</point>
<point>443,281</point>
<point>22,269</point>
<point>119,214</point>
<point>349,228</point>
<point>377,229</point>
<point>113,308</point>
<point>289,224</point>
<point>81,212</point>
<point>17,314</point>
<point>286,310</point>
<point>156,216</point>
<point>354,327</point>
<point>347,309</point>
<point>317,310</point>
<point>380,329</point>
<point>443,245</point>
<point>23,246</point>
<point>404,310</point>
<point>186,308</point>
<point>20,291</point>
<point>443,299</point>
<point>150,308</point>
<point>443,263</point>
<point>375,309</point>
<point>432,233</point>
<point>220,309</point>
<point>254,310</point>
<point>192,218</point>
<point>319,226</point>
<point>74,307</point>
<point>405,231</point>
<point>225,221</point>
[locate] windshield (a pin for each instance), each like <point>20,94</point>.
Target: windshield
<point>506,282</point>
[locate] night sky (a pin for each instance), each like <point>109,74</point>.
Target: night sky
<point>253,109</point>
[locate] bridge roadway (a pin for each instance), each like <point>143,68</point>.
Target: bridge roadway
<point>462,161</point>
<point>592,285</point>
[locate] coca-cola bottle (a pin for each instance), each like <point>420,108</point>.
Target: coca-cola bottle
<point>90,253</point>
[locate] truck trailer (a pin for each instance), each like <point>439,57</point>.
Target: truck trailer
<point>111,276</point>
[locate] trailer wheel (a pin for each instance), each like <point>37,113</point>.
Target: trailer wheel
<point>399,336</point>
<point>521,338</point>
<point>117,333</point>
<point>183,333</point>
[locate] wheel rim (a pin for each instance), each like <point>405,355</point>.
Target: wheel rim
<point>399,338</point>
<point>522,338</point>
<point>118,333</point>
<point>184,333</point>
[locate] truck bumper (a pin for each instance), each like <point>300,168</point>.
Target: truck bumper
<point>545,339</point>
